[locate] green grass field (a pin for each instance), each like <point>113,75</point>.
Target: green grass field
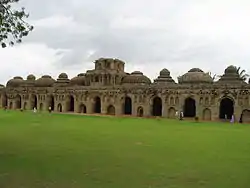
<point>70,151</point>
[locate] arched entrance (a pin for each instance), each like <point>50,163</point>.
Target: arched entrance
<point>11,105</point>
<point>226,108</point>
<point>51,102</point>
<point>111,110</point>
<point>140,111</point>
<point>41,107</point>
<point>128,106</point>
<point>4,101</point>
<point>207,114</point>
<point>157,107</point>
<point>189,107</point>
<point>245,116</point>
<point>18,102</point>
<point>171,113</point>
<point>33,101</point>
<point>71,104</point>
<point>59,107</point>
<point>25,106</point>
<point>82,109</point>
<point>97,105</point>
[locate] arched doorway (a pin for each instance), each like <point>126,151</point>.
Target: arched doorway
<point>71,104</point>
<point>59,107</point>
<point>140,111</point>
<point>51,102</point>
<point>18,102</point>
<point>25,106</point>
<point>189,107</point>
<point>4,101</point>
<point>11,105</point>
<point>41,107</point>
<point>157,107</point>
<point>33,102</point>
<point>245,116</point>
<point>82,109</point>
<point>207,114</point>
<point>97,105</point>
<point>128,106</point>
<point>171,113</point>
<point>226,108</point>
<point>111,110</point>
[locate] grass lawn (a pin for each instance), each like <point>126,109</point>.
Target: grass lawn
<point>70,151</point>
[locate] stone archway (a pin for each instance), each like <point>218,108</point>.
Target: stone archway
<point>11,105</point>
<point>207,114</point>
<point>97,105</point>
<point>140,112</point>
<point>25,106</point>
<point>128,106</point>
<point>4,101</point>
<point>157,107</point>
<point>41,107</point>
<point>51,102</point>
<point>82,109</point>
<point>245,116</point>
<point>18,102</point>
<point>171,113</point>
<point>226,108</point>
<point>71,104</point>
<point>59,107</point>
<point>189,107</point>
<point>33,102</point>
<point>111,110</point>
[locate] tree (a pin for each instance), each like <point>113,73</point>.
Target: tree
<point>12,25</point>
<point>242,73</point>
<point>214,76</point>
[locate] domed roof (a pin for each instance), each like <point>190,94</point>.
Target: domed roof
<point>62,80</point>
<point>79,80</point>
<point>136,77</point>
<point>17,81</point>
<point>45,81</point>
<point>63,76</point>
<point>164,77</point>
<point>195,76</point>
<point>231,76</point>
<point>31,77</point>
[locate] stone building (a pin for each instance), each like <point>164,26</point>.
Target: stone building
<point>108,89</point>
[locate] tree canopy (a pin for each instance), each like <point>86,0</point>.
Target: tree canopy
<point>13,26</point>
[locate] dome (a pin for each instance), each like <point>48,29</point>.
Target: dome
<point>195,76</point>
<point>164,72</point>
<point>17,81</point>
<point>45,81</point>
<point>231,76</point>
<point>136,77</point>
<point>231,70</point>
<point>164,77</point>
<point>79,80</point>
<point>31,77</point>
<point>63,76</point>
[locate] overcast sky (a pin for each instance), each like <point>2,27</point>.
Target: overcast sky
<point>148,35</point>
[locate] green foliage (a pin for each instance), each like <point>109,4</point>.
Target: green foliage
<point>73,151</point>
<point>242,73</point>
<point>13,27</point>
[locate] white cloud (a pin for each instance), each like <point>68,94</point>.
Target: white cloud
<point>149,34</point>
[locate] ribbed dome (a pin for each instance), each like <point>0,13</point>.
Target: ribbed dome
<point>136,77</point>
<point>231,76</point>
<point>79,80</point>
<point>31,77</point>
<point>17,81</point>
<point>164,77</point>
<point>45,81</point>
<point>63,76</point>
<point>195,75</point>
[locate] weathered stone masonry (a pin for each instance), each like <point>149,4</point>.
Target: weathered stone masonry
<point>107,89</point>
